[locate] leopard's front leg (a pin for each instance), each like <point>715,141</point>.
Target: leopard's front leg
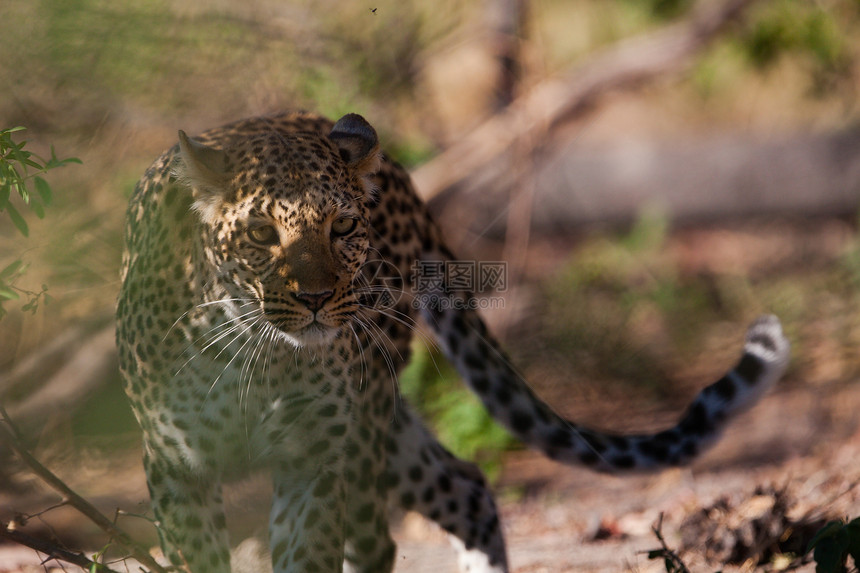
<point>190,515</point>
<point>308,436</point>
<point>306,525</point>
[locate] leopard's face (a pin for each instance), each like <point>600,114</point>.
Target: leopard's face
<point>294,257</point>
<point>286,229</point>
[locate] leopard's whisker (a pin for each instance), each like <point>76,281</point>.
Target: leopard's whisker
<point>250,325</point>
<point>204,305</point>
<point>377,337</point>
<point>408,322</point>
<point>246,371</point>
<point>363,359</point>
<point>226,329</point>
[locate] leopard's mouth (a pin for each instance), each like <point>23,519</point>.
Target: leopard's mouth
<point>316,333</point>
<point>303,327</point>
<point>308,334</point>
<point>315,325</point>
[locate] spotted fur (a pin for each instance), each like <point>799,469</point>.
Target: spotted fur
<point>254,331</point>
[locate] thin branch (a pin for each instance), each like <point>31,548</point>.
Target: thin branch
<point>52,550</point>
<point>9,436</point>
<point>671,559</point>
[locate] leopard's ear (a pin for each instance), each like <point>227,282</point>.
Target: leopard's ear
<point>201,165</point>
<point>357,142</point>
<point>204,170</point>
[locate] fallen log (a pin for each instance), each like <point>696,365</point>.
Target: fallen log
<point>708,179</point>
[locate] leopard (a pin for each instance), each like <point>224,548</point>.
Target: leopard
<point>268,304</point>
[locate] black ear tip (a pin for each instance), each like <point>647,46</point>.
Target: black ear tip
<point>352,125</point>
<point>351,119</point>
<point>355,138</point>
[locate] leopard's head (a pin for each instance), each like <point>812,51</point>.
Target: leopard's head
<point>285,223</point>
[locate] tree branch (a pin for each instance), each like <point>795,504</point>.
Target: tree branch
<point>51,550</point>
<point>8,435</point>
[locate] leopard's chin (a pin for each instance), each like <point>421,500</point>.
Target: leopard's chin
<point>312,335</point>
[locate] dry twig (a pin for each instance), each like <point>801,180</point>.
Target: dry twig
<point>673,562</point>
<point>9,436</point>
<point>52,550</point>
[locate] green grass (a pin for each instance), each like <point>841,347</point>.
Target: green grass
<point>604,308</point>
<point>460,420</point>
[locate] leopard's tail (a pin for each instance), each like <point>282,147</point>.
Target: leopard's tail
<point>487,370</point>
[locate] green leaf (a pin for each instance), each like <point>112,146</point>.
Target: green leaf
<point>7,293</point>
<point>830,553</point>
<point>11,269</point>
<point>852,531</point>
<point>38,209</point>
<point>56,162</point>
<point>22,157</point>
<point>18,220</point>
<point>15,175</point>
<point>30,162</point>
<point>15,186</point>
<point>44,190</point>
<point>828,558</point>
<point>830,529</point>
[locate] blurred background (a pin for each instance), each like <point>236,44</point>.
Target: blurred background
<point>655,174</point>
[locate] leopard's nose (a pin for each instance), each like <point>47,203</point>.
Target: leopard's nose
<point>314,301</point>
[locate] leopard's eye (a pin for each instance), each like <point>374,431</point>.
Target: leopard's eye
<point>343,226</point>
<point>264,235</point>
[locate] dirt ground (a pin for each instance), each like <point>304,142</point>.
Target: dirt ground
<point>802,440</point>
